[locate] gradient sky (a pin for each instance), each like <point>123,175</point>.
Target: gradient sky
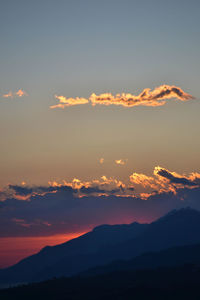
<point>76,48</point>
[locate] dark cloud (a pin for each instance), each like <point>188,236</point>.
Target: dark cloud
<point>177,180</point>
<point>24,190</point>
<point>20,190</point>
<point>61,212</point>
<point>91,190</point>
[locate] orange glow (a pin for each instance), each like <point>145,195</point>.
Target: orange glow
<point>14,249</point>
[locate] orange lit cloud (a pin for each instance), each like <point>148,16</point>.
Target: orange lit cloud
<point>176,179</point>
<point>120,161</point>
<point>101,160</point>
<point>8,95</point>
<point>139,185</point>
<point>20,93</point>
<point>143,180</point>
<point>96,187</point>
<point>148,97</point>
<point>165,180</point>
<point>65,102</point>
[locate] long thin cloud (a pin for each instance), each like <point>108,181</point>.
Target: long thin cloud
<point>148,97</point>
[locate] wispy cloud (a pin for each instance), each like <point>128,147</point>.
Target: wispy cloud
<point>148,97</point>
<point>65,102</point>
<point>20,93</point>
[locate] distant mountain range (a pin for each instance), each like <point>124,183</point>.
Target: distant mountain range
<point>106,244</point>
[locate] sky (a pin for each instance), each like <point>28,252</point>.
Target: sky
<point>97,99</point>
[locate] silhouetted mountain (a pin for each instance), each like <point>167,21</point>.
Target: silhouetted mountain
<point>177,228</point>
<point>171,257</point>
<point>100,237</point>
<point>164,283</point>
<point>106,244</point>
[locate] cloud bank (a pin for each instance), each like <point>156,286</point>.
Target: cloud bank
<point>148,97</point>
<point>77,206</point>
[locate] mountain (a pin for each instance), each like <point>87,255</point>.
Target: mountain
<point>172,283</point>
<point>177,228</point>
<point>106,244</point>
<point>171,257</point>
<point>100,237</point>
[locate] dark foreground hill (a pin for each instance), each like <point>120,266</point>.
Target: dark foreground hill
<point>106,244</point>
<point>164,283</point>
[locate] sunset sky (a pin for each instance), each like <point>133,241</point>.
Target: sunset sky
<point>99,115</point>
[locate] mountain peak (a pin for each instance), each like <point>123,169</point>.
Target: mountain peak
<point>185,212</point>
<point>114,227</point>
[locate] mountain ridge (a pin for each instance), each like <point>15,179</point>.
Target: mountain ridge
<point>107,243</point>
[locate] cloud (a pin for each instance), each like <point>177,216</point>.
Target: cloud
<point>65,102</point>
<point>20,93</point>
<point>120,161</point>
<point>174,178</point>
<point>62,212</point>
<point>8,95</point>
<point>20,190</point>
<point>165,180</point>
<point>148,97</point>
<point>95,187</point>
<point>101,160</point>
<point>140,184</point>
<point>77,205</point>
<point>143,180</point>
